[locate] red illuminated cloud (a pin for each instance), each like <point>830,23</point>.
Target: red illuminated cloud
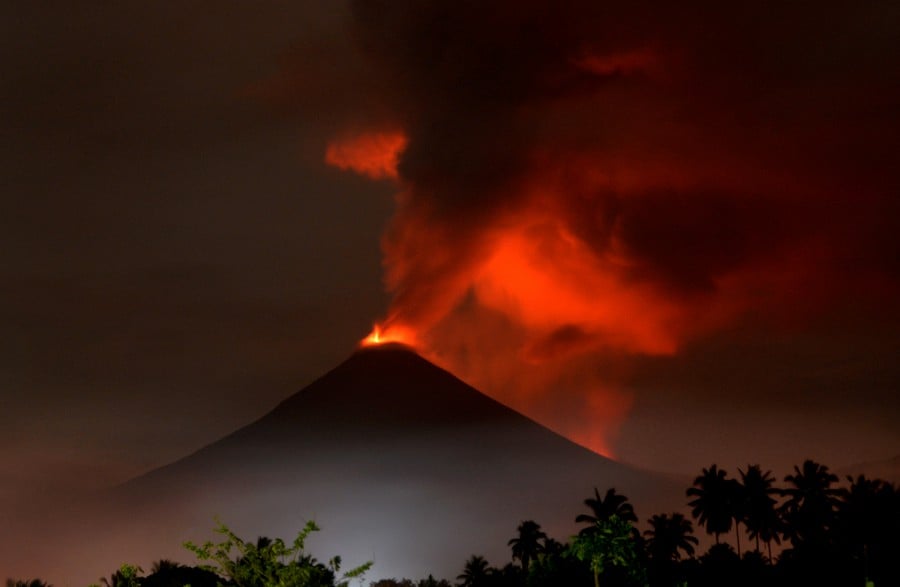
<point>372,154</point>
<point>592,180</point>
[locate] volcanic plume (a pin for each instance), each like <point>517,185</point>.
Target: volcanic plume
<point>580,185</point>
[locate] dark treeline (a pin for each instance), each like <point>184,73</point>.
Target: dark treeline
<point>808,531</point>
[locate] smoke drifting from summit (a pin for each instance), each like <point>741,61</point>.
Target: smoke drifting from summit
<point>374,155</point>
<point>585,183</point>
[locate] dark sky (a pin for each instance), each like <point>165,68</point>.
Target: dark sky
<point>670,232</point>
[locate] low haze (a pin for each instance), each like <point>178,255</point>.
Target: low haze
<point>667,232</point>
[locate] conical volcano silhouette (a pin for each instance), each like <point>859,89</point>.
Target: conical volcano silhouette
<point>397,460</point>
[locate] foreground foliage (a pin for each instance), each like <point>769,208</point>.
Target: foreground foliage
<point>269,563</point>
<point>609,543</point>
<point>832,536</point>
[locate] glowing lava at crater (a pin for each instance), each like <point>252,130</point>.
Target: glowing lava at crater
<point>389,335</point>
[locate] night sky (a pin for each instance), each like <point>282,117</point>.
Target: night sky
<point>670,232</point>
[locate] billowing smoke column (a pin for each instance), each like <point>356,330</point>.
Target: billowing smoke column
<point>584,182</point>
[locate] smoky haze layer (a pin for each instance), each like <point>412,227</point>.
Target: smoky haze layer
<point>593,183</point>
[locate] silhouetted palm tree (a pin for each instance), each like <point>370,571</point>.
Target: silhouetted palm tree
<point>713,506</point>
<point>553,547</point>
<point>166,573</point>
<point>27,583</point>
<point>759,512</point>
<point>612,504</point>
<point>771,528</point>
<point>527,545</point>
<point>614,544</point>
<point>811,504</point>
<point>738,500</point>
<point>867,519</point>
<point>475,573</point>
<point>668,537</point>
<point>126,576</point>
<point>164,566</point>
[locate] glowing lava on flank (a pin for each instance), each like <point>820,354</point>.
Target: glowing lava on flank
<point>384,335</point>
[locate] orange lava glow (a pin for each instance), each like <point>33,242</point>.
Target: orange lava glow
<point>394,334</point>
<point>374,154</point>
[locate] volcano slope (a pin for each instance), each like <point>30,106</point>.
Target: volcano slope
<point>396,459</point>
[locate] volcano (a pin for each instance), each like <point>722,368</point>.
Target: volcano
<point>398,462</point>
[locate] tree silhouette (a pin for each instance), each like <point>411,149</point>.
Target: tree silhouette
<point>760,515</point>
<point>552,547</point>
<point>713,506</point>
<point>770,528</point>
<point>430,581</point>
<point>126,576</point>
<point>812,501</point>
<point>475,573</point>
<point>602,508</point>
<point>553,567</point>
<point>867,519</point>
<point>612,543</point>
<point>527,545</point>
<point>166,573</point>
<point>721,566</point>
<point>164,566</point>
<point>737,501</point>
<point>509,576</point>
<point>669,536</point>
